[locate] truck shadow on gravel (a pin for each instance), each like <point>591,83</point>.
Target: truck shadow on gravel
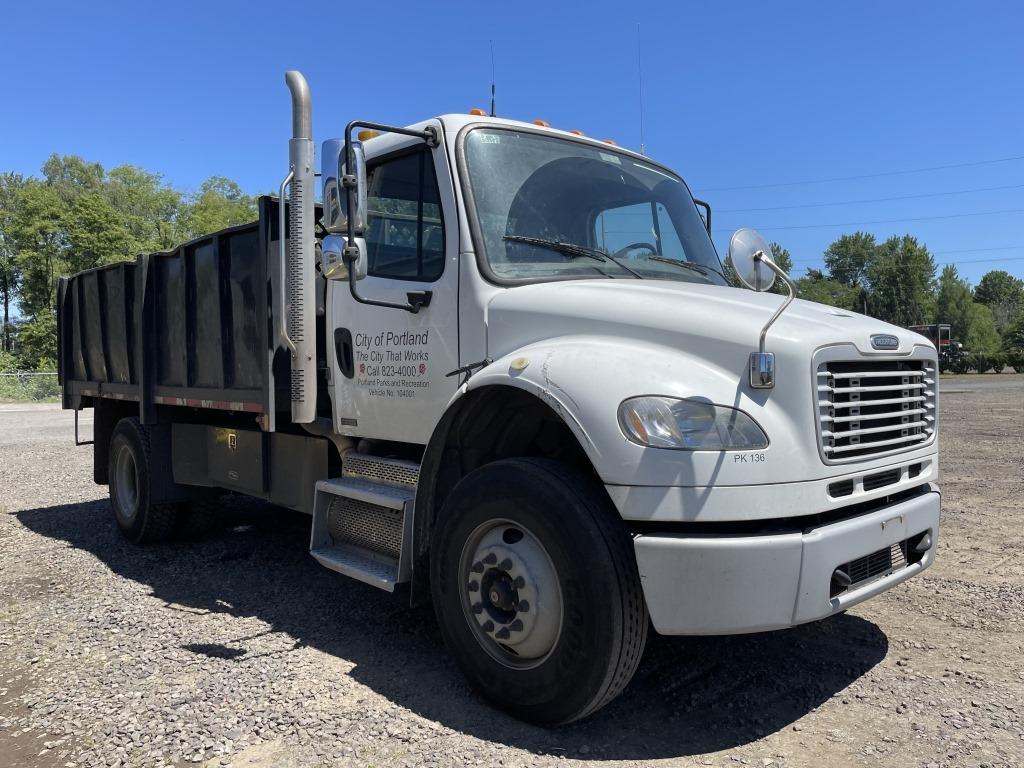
<point>690,695</point>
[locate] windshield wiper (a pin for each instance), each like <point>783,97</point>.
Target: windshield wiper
<point>572,250</point>
<point>692,265</point>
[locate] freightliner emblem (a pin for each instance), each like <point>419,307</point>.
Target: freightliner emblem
<point>884,341</point>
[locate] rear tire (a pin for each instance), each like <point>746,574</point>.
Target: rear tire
<point>130,478</point>
<point>538,529</point>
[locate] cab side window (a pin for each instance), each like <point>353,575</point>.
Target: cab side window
<point>404,228</point>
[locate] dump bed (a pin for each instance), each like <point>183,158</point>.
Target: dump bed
<point>189,327</point>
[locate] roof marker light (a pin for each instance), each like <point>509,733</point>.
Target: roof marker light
<point>576,132</point>
<point>367,135</point>
<point>477,112</point>
<point>542,123</point>
<point>611,141</point>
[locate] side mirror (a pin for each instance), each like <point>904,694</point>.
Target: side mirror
<point>333,261</point>
<point>356,180</point>
<point>747,251</point>
<point>751,259</point>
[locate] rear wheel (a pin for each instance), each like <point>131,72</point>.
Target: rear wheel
<point>130,474</point>
<point>536,590</point>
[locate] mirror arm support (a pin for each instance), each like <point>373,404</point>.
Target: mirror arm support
<point>416,299</point>
<point>767,261</point>
<point>707,213</point>
<point>762,364</point>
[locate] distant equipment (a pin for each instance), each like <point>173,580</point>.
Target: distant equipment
<point>938,334</point>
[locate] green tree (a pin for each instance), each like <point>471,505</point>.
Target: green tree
<point>70,176</point>
<point>37,341</point>
<point>781,257</point>
<point>10,275</point>
<point>849,258</point>
<point>815,286</point>
<point>1013,339</point>
<point>219,203</point>
<point>953,303</point>
<point>149,209</point>
<point>969,321</point>
<point>901,280</point>
<point>982,335</point>
<point>96,234</point>
<point>1002,293</point>
<point>37,229</point>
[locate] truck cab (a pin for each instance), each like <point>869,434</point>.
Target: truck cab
<point>543,401</point>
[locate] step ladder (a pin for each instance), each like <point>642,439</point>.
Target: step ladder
<point>362,521</point>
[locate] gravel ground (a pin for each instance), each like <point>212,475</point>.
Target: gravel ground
<point>240,650</point>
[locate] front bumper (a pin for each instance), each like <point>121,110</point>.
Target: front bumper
<point>707,584</point>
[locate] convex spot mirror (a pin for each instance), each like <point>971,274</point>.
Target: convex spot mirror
<point>333,261</point>
<point>744,246</point>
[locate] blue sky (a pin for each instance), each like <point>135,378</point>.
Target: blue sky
<point>736,96</point>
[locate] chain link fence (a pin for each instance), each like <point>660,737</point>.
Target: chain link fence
<point>36,386</point>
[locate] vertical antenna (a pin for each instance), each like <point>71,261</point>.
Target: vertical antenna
<point>492,79</point>
<point>640,82</point>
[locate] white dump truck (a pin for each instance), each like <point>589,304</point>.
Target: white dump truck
<point>502,366</point>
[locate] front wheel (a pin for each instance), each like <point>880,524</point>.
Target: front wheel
<point>536,590</point>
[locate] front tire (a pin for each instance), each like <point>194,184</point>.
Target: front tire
<point>536,590</point>
<point>130,476</point>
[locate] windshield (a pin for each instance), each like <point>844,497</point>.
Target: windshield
<point>550,208</point>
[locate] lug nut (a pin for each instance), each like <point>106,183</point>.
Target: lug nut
<point>516,626</point>
<point>506,564</point>
<point>523,606</point>
<point>477,567</point>
<point>519,583</point>
<point>491,559</point>
<point>473,586</point>
<point>477,607</point>
<point>488,626</point>
<point>502,634</point>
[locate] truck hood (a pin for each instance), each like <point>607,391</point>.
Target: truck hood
<point>713,321</point>
<point>588,345</point>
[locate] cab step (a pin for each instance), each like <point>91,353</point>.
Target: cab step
<point>362,520</point>
<point>377,469</point>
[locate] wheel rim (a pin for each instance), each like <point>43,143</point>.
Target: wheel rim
<point>126,479</point>
<point>511,595</point>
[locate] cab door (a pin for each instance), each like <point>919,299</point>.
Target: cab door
<point>389,365</point>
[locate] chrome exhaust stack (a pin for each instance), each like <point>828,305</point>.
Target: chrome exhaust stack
<point>298,258</point>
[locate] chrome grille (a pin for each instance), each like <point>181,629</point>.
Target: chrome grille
<point>870,408</point>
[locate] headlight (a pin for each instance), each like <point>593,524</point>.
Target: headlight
<point>689,425</point>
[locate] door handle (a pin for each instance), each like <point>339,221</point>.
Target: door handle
<point>419,299</point>
<point>343,351</point>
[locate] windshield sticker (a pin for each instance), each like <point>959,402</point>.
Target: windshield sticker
<point>609,158</point>
<point>489,138</point>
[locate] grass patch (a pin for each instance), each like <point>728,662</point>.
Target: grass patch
<point>29,386</point>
